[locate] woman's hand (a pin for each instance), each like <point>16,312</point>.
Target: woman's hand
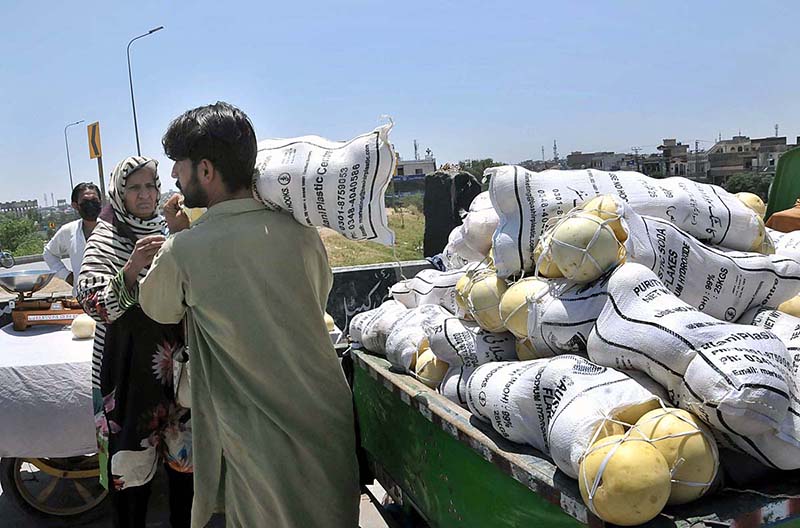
<point>175,215</point>
<point>143,253</point>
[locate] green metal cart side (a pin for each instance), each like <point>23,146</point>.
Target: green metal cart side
<point>433,456</point>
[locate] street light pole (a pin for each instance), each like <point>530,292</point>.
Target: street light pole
<point>66,142</point>
<point>130,80</point>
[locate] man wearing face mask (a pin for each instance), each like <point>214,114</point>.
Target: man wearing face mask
<point>70,240</point>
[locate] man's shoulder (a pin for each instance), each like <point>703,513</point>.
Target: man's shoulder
<point>70,227</point>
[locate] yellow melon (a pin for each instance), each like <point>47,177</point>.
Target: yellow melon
<point>579,237</point>
<point>525,350</point>
<point>791,307</point>
<point>688,448</point>
<point>754,202</point>
<point>547,267</point>
<point>483,300</point>
<point>514,304</point>
<point>430,369</point>
<point>632,480</point>
<point>606,207</point>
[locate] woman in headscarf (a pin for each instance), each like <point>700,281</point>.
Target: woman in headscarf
<point>138,422</point>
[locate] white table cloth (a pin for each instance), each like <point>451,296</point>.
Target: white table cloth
<point>45,393</point>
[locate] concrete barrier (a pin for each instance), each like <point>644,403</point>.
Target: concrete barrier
<point>28,259</point>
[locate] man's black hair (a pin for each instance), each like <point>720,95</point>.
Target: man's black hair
<point>85,186</point>
<point>220,133</point>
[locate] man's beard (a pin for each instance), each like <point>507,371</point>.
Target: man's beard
<point>194,195</point>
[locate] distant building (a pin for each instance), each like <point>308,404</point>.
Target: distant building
<point>606,161</point>
<point>675,156</point>
<point>697,165</point>
<point>653,165</point>
<point>588,160</point>
<point>743,154</point>
<point>61,202</point>
<point>415,169</point>
<point>19,208</point>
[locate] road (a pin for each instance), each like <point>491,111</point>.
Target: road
<point>158,511</point>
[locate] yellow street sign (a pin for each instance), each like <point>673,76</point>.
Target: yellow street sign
<point>95,148</point>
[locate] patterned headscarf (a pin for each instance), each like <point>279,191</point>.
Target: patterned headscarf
<point>119,180</point>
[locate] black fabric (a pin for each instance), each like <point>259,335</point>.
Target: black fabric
<point>129,506</point>
<point>143,405</point>
<point>446,197</point>
<point>181,494</point>
<point>466,189</point>
<point>438,210</point>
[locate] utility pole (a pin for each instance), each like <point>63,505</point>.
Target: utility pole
<point>543,153</point>
<point>555,150</point>
<point>776,130</point>
<point>636,156</point>
<point>416,150</point>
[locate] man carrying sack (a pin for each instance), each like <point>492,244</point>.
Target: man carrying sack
<point>274,442</point>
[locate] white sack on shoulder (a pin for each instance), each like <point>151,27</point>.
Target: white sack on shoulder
<point>335,184</point>
<point>739,371</point>
<point>525,201</point>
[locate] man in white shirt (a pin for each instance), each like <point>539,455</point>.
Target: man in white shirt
<point>70,239</point>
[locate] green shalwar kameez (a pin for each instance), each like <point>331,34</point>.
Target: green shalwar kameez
<point>274,441</point>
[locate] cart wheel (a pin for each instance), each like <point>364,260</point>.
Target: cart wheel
<point>56,489</point>
<point>6,259</point>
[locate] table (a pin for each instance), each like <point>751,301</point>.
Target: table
<point>45,393</point>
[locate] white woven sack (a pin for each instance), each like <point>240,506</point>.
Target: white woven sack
<point>740,371</point>
<point>525,201</point>
<point>335,184</point>
<point>478,228</point>
<point>786,244</point>
<point>371,328</point>
<point>561,318</point>
<point>456,254</point>
<point>463,343</point>
<point>553,404</point>
<point>787,328</point>
<point>481,202</point>
<point>578,397</point>
<point>454,384</point>
<point>499,393</point>
<point>408,332</point>
<point>429,286</point>
<point>472,240</point>
<point>772,448</point>
<point>464,346</point>
<point>716,281</point>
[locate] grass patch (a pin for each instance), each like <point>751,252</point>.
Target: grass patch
<point>409,229</point>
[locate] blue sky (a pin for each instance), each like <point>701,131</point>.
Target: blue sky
<point>467,79</point>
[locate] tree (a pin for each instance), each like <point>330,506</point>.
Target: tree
<point>15,231</point>
<point>749,182</point>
